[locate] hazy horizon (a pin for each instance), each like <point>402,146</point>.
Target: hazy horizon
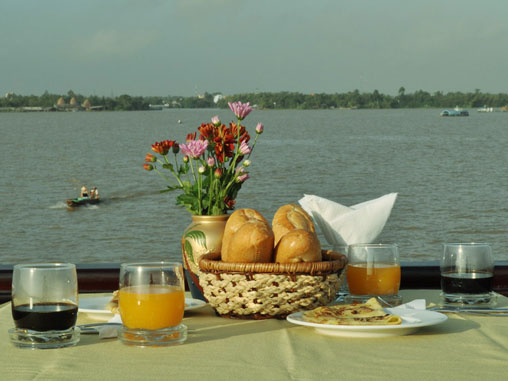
<point>189,47</point>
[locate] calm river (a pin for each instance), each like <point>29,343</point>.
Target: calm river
<point>449,174</point>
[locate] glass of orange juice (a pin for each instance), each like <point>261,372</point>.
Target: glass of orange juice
<point>373,270</point>
<point>151,300</point>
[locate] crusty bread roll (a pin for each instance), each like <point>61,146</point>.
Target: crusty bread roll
<point>295,236</point>
<point>299,245</point>
<point>290,217</point>
<point>247,238</point>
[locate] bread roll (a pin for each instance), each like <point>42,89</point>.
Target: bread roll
<point>298,245</point>
<point>295,236</point>
<point>288,218</point>
<point>247,238</point>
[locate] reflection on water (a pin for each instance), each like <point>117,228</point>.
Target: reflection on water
<point>448,173</point>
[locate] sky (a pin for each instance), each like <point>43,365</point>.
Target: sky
<point>188,47</point>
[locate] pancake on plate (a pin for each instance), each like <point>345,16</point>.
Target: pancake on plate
<point>113,303</point>
<point>368,313</point>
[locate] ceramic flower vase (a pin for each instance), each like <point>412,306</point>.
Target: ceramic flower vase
<point>202,236</point>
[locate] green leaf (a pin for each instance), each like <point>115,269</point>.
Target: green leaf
<point>186,199</point>
<point>188,250</point>
<point>170,188</point>
<point>183,169</point>
<point>198,236</point>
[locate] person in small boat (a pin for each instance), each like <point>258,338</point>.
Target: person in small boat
<point>84,192</point>
<point>94,193</point>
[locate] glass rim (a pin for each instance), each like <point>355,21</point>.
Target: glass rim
<point>467,244</point>
<point>152,264</point>
<point>45,266</point>
<point>371,245</point>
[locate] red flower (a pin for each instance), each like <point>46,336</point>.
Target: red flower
<point>148,167</point>
<point>230,204</point>
<point>163,147</point>
<point>191,137</point>
<point>222,138</point>
<point>244,135</point>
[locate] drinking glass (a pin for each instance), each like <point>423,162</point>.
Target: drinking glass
<point>151,300</point>
<point>44,305</point>
<point>467,273</point>
<point>342,249</point>
<point>373,270</point>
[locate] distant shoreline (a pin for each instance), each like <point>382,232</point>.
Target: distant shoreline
<point>12,102</point>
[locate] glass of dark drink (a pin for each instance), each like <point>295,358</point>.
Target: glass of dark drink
<point>44,305</point>
<point>467,273</point>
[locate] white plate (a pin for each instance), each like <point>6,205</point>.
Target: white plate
<point>412,320</point>
<point>95,307</point>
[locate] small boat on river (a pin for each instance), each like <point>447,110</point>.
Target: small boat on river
<point>82,201</point>
<point>455,112</point>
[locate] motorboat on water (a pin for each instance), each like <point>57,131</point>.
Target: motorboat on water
<point>457,111</point>
<point>82,201</point>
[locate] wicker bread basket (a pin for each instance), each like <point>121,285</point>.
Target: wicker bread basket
<point>269,290</point>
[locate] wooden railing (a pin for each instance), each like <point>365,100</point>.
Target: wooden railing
<point>96,278</point>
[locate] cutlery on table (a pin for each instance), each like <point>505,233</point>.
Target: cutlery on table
<point>475,311</point>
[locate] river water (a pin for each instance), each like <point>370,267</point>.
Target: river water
<point>449,173</point>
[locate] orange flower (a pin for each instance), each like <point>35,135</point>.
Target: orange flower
<point>163,147</point>
<point>150,158</point>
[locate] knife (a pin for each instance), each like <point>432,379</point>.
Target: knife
<point>501,311</point>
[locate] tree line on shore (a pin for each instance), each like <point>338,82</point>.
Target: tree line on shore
<point>271,100</point>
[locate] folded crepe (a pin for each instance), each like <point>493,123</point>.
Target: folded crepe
<point>346,225</point>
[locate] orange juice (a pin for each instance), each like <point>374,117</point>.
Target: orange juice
<point>374,279</point>
<point>151,307</point>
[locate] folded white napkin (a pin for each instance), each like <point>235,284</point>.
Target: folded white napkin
<point>417,304</point>
<point>343,225</point>
<point>414,305</point>
<point>110,331</point>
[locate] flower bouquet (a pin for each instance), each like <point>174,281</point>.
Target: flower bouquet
<point>212,167</point>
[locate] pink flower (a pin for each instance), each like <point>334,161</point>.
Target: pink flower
<point>210,161</point>
<point>216,121</point>
<point>244,148</point>
<point>242,178</point>
<point>241,110</point>
<point>194,148</point>
<point>259,128</point>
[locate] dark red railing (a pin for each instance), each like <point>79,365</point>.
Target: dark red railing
<point>95,278</point>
